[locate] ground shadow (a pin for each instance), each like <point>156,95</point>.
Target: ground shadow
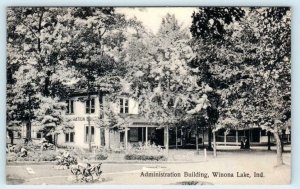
<point>14,181</point>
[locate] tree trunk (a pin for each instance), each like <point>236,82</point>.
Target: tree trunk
<point>167,139</point>
<point>89,120</point>
<point>278,148</point>
<point>282,144</point>
<point>203,138</point>
<point>108,138</point>
<point>89,134</point>
<point>28,127</point>
<point>197,140</point>
<point>55,140</point>
<point>214,144</point>
<point>28,130</point>
<point>209,138</point>
<point>11,135</point>
<point>175,138</point>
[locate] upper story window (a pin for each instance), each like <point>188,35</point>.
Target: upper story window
<point>90,106</point>
<point>70,106</point>
<point>39,135</point>
<point>69,137</point>
<point>124,105</point>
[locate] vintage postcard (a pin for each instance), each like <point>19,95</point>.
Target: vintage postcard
<point>148,95</point>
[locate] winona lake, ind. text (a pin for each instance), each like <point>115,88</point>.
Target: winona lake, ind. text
<point>202,174</point>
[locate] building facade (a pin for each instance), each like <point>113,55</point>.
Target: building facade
<point>86,112</point>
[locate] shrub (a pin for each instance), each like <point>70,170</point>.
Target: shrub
<point>11,157</point>
<point>101,156</point>
<point>118,150</point>
<point>149,152</point>
<point>48,156</point>
<point>37,155</point>
<point>79,152</point>
<point>18,148</point>
<point>145,157</point>
<point>64,158</point>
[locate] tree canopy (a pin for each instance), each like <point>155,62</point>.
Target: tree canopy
<point>230,69</point>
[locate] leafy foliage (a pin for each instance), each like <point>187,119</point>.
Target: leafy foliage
<point>249,68</point>
<point>210,22</point>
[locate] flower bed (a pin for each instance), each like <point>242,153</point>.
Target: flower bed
<point>145,157</point>
<point>33,156</point>
<point>84,154</point>
<point>142,152</point>
<point>101,156</point>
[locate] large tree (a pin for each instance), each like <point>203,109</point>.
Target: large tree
<point>159,77</point>
<point>36,42</point>
<point>248,56</point>
<point>97,35</point>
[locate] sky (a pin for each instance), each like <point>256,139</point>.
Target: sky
<point>151,17</point>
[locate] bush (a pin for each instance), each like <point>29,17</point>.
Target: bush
<point>118,150</point>
<point>38,155</point>
<point>64,158</point>
<point>101,156</point>
<point>142,152</point>
<point>48,156</point>
<point>18,148</point>
<point>80,153</point>
<point>145,157</point>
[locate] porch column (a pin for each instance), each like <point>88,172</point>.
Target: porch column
<point>146,137</point>
<point>142,134</point>
<point>259,136</point>
<point>166,138</point>
<point>126,137</point>
<point>237,137</point>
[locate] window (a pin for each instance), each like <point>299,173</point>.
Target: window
<point>69,137</point>
<point>90,106</point>
<point>39,135</point>
<point>70,106</point>
<point>86,136</point>
<point>123,105</point>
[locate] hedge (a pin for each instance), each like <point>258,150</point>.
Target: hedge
<point>145,157</point>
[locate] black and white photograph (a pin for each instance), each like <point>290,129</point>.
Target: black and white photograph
<point>148,95</point>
